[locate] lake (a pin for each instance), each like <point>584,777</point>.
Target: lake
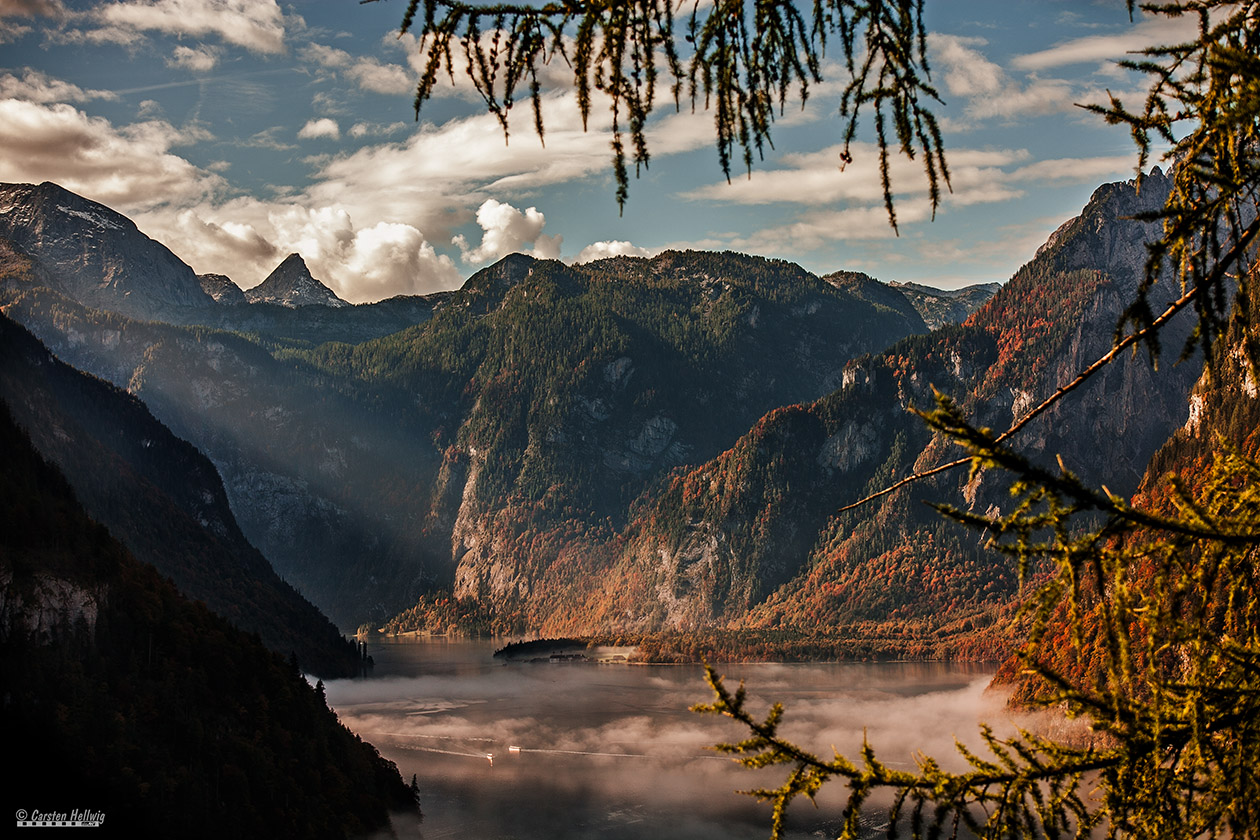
<point>574,750</point>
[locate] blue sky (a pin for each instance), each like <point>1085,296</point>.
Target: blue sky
<point>238,131</point>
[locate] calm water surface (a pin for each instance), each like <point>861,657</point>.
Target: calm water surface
<point>611,751</point>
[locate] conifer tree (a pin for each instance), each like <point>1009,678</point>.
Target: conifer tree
<point>1141,618</point>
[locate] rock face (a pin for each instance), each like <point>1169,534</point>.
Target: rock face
<point>637,442</point>
<point>96,255</point>
<point>292,285</point>
<point>221,288</point>
<point>946,306</point>
<point>752,536</point>
<point>539,397</point>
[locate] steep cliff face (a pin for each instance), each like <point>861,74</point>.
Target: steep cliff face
<point>46,608</point>
<point>596,382</point>
<point>221,288</point>
<point>1224,405</point>
<point>752,536</point>
<point>96,255</point>
<point>946,306</point>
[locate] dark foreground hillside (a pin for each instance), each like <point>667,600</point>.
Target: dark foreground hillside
<point>161,498</point>
<point>122,697</point>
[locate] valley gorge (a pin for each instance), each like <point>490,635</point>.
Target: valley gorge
<point>630,445</point>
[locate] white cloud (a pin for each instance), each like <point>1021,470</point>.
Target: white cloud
<point>390,259</point>
<point>979,176</point>
<point>326,56</point>
<point>988,90</point>
<point>245,238</point>
<point>1111,48</point>
<point>363,129</point>
<point>37,86</point>
<point>199,59</point>
<point>256,25</point>
<point>815,178</point>
<point>967,72</point>
<point>817,228</point>
<point>368,73</point>
<point>270,139</point>
<point>323,127</point>
<point>128,168</point>
<point>371,75</point>
<point>1093,170</point>
<point>507,230</point>
<point>612,248</point>
<point>32,8</point>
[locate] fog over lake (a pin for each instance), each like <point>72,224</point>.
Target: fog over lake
<point>612,751</point>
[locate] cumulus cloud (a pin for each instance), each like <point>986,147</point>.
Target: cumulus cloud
<point>326,56</point>
<point>507,230</point>
<point>245,238</point>
<point>199,59</point>
<point>37,86</point>
<point>128,167</point>
<point>256,25</point>
<point>390,259</point>
<point>323,127</point>
<point>613,248</point>
<point>371,75</point>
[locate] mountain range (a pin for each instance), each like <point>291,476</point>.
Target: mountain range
<point>628,445</point>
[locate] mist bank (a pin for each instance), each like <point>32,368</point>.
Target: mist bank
<point>543,750</point>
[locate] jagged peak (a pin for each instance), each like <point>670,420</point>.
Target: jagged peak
<point>291,284</point>
<point>221,288</point>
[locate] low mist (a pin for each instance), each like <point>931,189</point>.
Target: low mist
<point>577,750</point>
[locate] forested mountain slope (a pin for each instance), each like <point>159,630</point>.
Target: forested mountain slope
<point>530,406</point>
<point>310,463</point>
<point>752,538</point>
<point>1223,421</point>
<point>763,513</point>
<point>567,392</point>
<point>160,497</point>
<point>153,711</point>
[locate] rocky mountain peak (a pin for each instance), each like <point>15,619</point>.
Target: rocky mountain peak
<point>292,285</point>
<point>96,255</point>
<point>945,306</point>
<point>221,288</point>
<point>504,275</point>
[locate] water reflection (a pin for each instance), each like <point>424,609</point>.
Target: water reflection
<point>568,750</point>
